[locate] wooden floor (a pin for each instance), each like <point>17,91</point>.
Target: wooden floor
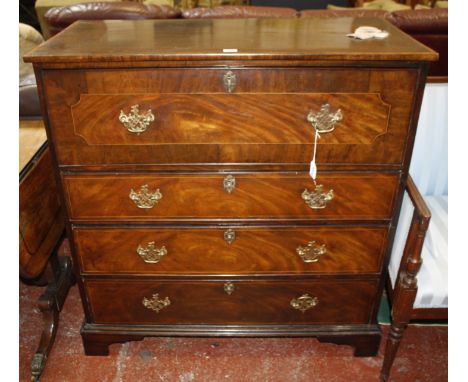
<point>422,356</point>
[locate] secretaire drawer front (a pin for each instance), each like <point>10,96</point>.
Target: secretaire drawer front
<point>231,302</point>
<point>235,196</point>
<point>145,116</point>
<point>230,250</point>
<point>229,118</point>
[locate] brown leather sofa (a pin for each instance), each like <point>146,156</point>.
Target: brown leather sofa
<point>59,18</point>
<point>233,12</point>
<point>429,26</point>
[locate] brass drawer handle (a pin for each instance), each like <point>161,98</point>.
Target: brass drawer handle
<point>134,121</point>
<point>304,302</point>
<point>317,199</point>
<point>229,183</point>
<point>311,252</point>
<point>150,254</point>
<point>229,287</point>
<point>324,121</point>
<point>154,303</point>
<point>229,81</point>
<point>144,198</point>
<point>229,236</point>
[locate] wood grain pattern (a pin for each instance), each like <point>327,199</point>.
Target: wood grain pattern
<point>229,118</point>
<point>204,251</point>
<point>256,196</point>
<point>154,40</point>
<point>252,302</point>
<point>93,69</point>
<point>406,283</point>
<point>38,202</point>
<point>364,338</point>
<point>267,110</point>
<point>41,222</point>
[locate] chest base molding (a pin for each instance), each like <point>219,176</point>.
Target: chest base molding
<point>364,338</point>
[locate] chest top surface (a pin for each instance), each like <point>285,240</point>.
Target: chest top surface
<point>244,39</point>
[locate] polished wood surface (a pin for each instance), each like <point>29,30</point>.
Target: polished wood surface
<point>41,228</point>
<point>263,121</point>
<point>302,39</point>
<point>364,338</point>
<point>251,302</point>
<point>256,196</point>
<point>41,221</point>
<point>235,118</point>
<point>204,251</point>
<point>406,283</point>
<point>257,133</point>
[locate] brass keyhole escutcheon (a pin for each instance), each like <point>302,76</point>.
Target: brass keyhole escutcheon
<point>229,81</point>
<point>229,236</point>
<point>229,287</point>
<point>229,183</point>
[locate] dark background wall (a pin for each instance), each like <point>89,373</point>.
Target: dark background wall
<point>300,4</point>
<point>27,13</point>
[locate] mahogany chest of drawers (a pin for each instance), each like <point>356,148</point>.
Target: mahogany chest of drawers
<point>182,151</point>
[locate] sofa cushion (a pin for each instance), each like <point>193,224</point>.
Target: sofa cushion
<point>234,11</point>
<point>59,18</point>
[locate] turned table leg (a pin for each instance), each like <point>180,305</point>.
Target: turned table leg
<point>391,348</point>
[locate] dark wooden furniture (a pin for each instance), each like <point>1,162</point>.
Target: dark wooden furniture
<point>41,232</point>
<point>428,26</point>
<point>184,170</point>
<point>403,295</point>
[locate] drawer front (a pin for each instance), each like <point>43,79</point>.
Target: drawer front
<point>231,302</point>
<point>195,119</point>
<point>227,118</point>
<point>240,196</point>
<point>230,251</point>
